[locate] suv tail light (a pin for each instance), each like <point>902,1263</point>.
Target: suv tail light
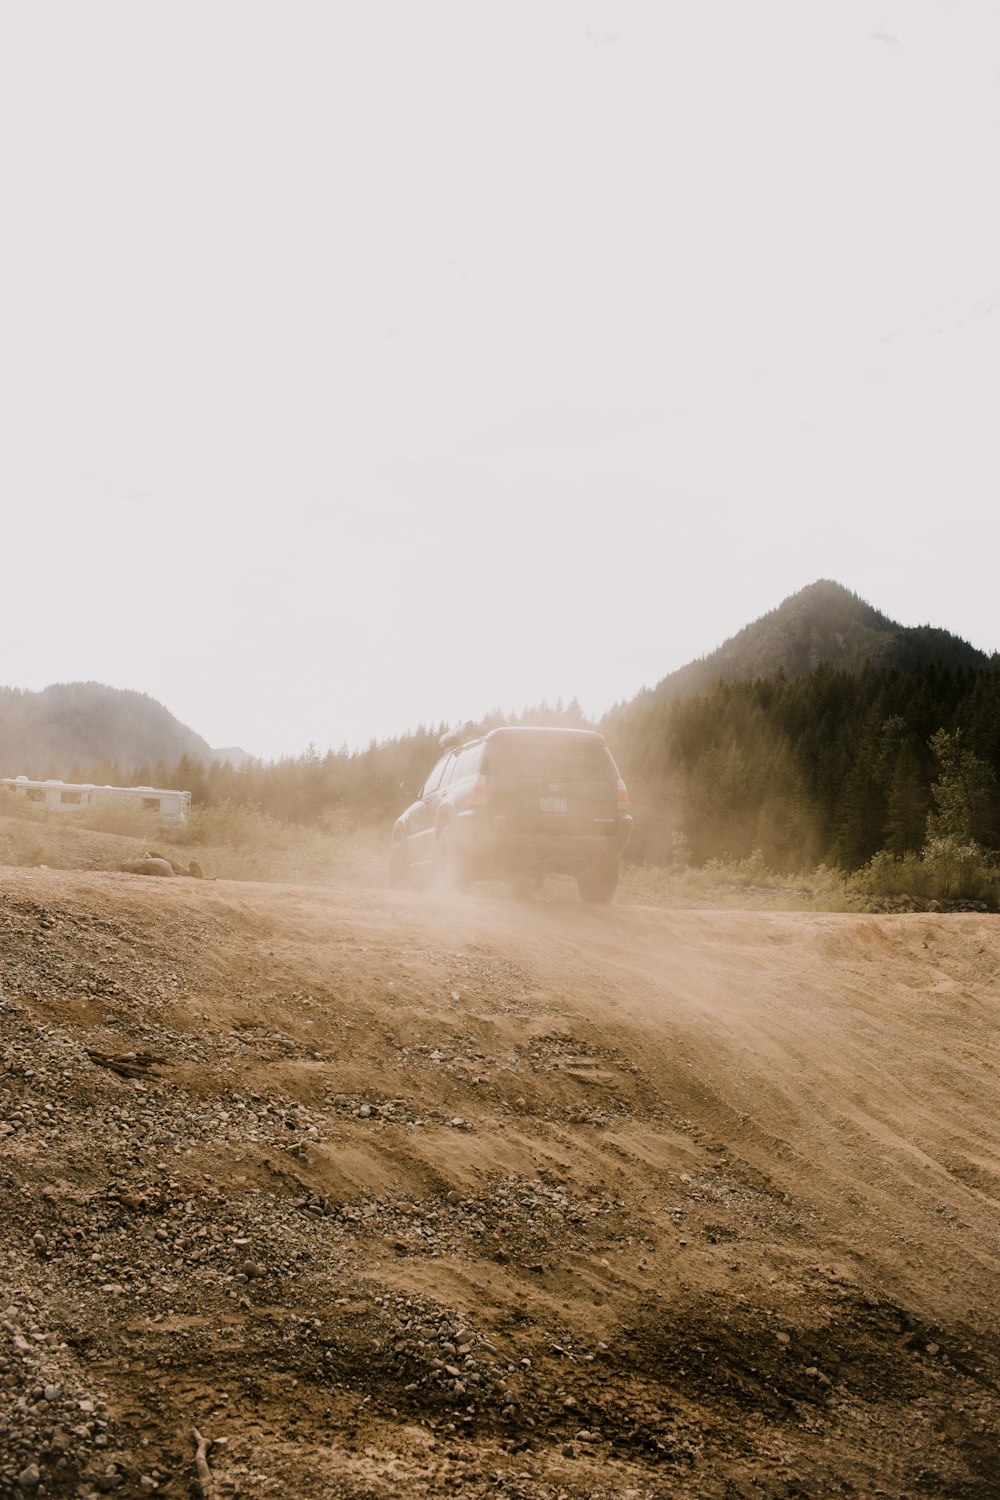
<point>477,792</point>
<point>622,796</point>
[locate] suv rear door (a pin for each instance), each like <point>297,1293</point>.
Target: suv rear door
<point>554,783</point>
<point>422,816</point>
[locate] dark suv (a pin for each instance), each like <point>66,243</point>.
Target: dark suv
<point>514,804</point>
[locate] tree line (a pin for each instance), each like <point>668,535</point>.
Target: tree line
<point>827,767</point>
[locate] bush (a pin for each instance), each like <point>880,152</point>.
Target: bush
<point>958,871</point>
<point>888,874</point>
<point>945,870</point>
<point>236,826</point>
<point>746,883</point>
<point>750,871</point>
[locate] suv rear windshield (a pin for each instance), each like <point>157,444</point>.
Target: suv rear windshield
<point>550,759</point>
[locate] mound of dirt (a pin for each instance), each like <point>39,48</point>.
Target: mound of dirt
<point>382,1194</point>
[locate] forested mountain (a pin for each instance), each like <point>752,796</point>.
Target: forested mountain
<point>822,623</point>
<point>830,767</point>
<point>823,732</point>
<point>82,725</point>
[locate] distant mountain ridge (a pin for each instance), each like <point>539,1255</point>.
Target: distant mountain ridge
<point>87,724</point>
<point>824,622</point>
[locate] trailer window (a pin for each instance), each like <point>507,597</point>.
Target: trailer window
<point>34,794</point>
<point>71,799</point>
<point>150,804</point>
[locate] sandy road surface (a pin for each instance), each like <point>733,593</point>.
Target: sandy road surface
<point>397,1196</point>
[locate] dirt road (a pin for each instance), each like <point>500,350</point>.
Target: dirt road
<point>385,1195</point>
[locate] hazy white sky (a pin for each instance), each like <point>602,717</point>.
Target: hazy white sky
<point>366,364</point>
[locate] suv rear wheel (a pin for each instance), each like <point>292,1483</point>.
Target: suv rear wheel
<point>598,883</point>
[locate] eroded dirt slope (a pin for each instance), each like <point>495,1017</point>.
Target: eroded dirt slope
<point>395,1196</point>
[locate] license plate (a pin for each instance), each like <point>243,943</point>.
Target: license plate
<point>552,804</point>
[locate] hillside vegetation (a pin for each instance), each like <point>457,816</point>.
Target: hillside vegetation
<point>73,726</point>
<point>828,767</point>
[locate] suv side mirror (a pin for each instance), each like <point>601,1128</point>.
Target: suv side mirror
<point>408,791</point>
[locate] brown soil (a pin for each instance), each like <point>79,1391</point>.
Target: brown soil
<point>384,1194</point>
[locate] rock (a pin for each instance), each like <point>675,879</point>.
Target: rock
<point>30,1477</point>
<point>146,867</point>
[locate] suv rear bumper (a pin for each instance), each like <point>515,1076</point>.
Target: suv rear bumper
<point>491,847</point>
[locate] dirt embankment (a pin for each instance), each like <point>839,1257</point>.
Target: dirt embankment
<point>384,1195</point>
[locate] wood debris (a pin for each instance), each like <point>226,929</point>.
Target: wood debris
<point>128,1064</point>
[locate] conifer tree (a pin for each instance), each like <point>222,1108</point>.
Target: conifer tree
<point>964,793</point>
<point>907,802</point>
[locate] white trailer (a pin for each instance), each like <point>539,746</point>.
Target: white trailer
<point>162,805</point>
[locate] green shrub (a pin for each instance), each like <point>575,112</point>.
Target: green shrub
<point>958,871</point>
<point>236,826</point>
<point>888,874</point>
<point>750,871</point>
<point>947,869</point>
